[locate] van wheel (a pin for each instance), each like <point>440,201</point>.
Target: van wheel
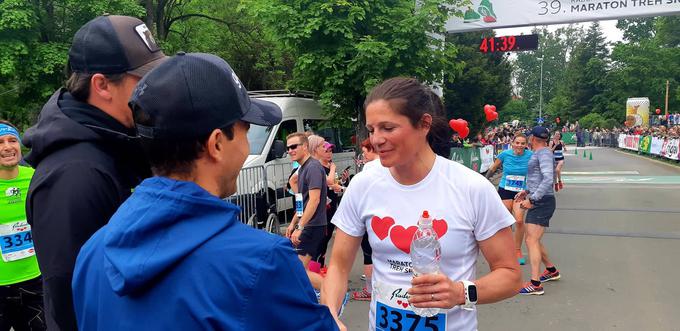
<point>273,225</point>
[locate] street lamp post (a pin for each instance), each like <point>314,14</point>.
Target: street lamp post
<point>540,92</point>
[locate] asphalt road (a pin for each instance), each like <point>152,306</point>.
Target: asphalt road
<point>615,238</point>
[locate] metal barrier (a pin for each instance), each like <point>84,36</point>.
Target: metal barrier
<point>280,198</point>
<point>253,198</point>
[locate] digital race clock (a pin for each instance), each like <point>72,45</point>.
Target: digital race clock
<point>509,43</point>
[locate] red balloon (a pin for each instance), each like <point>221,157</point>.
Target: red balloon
<point>658,111</point>
<point>460,126</point>
<point>493,108</point>
<point>490,113</point>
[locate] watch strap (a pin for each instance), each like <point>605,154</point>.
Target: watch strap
<point>469,305</point>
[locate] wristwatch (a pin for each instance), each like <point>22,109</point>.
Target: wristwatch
<point>299,227</point>
<point>470,295</point>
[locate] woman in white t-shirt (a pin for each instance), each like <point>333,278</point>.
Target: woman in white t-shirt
<point>387,201</point>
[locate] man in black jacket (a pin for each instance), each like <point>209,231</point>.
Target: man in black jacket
<point>84,150</point>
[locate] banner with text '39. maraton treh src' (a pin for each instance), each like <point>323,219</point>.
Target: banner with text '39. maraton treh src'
<point>494,14</point>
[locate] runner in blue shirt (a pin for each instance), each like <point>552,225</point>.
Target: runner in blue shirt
<point>515,163</point>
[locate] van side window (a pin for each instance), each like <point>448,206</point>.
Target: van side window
<point>340,137</point>
<point>286,128</point>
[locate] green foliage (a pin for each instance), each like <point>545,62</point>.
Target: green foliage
<point>484,79</point>
<point>34,40</point>
<point>515,110</point>
<point>592,120</point>
<point>344,48</point>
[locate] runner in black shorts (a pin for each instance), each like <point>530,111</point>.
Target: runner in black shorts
<point>310,228</point>
<point>539,199</point>
<point>515,162</point>
<point>558,148</point>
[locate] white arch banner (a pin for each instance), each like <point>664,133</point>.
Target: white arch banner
<point>495,14</point>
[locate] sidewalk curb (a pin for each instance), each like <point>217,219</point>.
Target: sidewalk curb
<point>675,166</point>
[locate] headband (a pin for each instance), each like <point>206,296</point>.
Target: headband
<point>6,129</point>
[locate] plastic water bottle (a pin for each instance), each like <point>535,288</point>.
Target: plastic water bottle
<point>299,209</point>
<point>425,255</point>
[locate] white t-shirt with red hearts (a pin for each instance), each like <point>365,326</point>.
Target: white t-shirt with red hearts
<point>466,209</point>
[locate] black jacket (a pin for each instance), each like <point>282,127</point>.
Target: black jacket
<point>86,164</point>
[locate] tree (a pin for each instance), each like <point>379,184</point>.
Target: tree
<point>515,109</point>
<point>554,48</point>
<point>586,73</point>
<point>592,121</point>
<point>34,40</point>
<point>344,48</point>
<point>484,79</point>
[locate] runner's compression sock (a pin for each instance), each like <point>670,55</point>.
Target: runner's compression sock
<point>535,283</point>
<point>551,269</point>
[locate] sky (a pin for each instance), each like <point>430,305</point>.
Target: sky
<point>608,28</point>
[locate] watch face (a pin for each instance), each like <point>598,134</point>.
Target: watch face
<point>472,293</point>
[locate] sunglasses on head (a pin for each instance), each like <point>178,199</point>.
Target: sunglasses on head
<point>293,146</point>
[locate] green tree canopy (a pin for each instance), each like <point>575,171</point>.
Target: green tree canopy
<point>344,48</point>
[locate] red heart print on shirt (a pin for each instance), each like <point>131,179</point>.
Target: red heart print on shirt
<point>401,237</point>
<point>381,226</point>
<point>440,227</point>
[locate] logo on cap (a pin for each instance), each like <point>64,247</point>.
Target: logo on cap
<point>236,80</point>
<point>144,33</point>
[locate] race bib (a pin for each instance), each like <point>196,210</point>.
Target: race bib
<point>16,242</point>
<point>514,183</point>
<point>393,312</point>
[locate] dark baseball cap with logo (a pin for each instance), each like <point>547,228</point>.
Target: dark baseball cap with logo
<point>540,132</point>
<point>190,95</point>
<point>112,44</point>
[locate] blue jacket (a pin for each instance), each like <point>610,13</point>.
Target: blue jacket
<point>175,257</point>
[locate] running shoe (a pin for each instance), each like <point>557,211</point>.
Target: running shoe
<point>323,271</point>
<point>557,187</point>
<point>344,303</point>
<point>318,295</point>
<point>548,276</point>
<point>520,258</point>
<point>561,185</point>
<point>530,289</point>
<point>362,295</point>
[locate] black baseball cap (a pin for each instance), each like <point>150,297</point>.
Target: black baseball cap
<point>540,132</point>
<point>189,95</point>
<point>113,44</point>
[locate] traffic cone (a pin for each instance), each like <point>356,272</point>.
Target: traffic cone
<point>591,156</point>
<point>584,154</point>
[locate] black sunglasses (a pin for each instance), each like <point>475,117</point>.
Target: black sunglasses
<point>293,146</point>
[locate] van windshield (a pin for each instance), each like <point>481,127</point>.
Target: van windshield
<point>257,137</point>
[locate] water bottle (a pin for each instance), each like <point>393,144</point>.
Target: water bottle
<point>425,255</point>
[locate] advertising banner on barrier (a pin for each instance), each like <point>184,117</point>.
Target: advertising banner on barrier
<point>631,142</point>
<point>657,143</point>
<point>645,144</point>
<point>486,154</point>
<point>494,14</point>
<point>670,149</point>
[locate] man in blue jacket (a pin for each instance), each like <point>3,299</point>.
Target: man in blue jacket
<point>174,256</point>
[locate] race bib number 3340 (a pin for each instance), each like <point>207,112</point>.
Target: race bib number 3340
<point>16,242</point>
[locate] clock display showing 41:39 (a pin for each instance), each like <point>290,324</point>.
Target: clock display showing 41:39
<point>509,43</point>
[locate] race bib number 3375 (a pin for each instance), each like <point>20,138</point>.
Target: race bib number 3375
<point>395,319</point>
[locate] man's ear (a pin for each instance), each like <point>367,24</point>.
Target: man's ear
<point>100,86</point>
<point>215,144</point>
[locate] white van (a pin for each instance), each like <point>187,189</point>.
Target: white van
<point>267,169</point>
